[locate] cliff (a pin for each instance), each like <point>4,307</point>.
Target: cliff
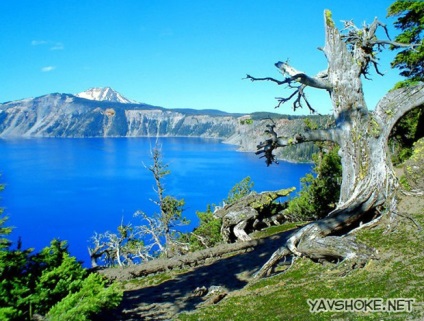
<point>66,115</point>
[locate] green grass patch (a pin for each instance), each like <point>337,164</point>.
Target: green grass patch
<point>276,229</point>
<point>151,280</point>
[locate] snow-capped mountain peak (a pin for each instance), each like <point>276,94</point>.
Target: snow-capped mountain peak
<point>104,94</point>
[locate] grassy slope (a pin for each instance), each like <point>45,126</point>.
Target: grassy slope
<point>399,273</point>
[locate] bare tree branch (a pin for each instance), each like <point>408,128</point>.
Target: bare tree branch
<point>278,82</point>
<point>153,227</point>
<point>292,81</point>
<point>267,147</point>
<point>366,40</point>
<point>319,81</point>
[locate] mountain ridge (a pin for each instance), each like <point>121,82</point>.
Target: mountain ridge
<point>68,115</point>
<point>105,112</point>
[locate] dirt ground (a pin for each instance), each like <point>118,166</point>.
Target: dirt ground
<point>164,301</point>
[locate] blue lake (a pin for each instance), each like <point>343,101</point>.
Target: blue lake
<point>70,188</point>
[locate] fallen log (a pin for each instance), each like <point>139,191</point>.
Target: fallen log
<point>188,260</point>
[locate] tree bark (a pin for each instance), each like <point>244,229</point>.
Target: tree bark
<point>368,180</point>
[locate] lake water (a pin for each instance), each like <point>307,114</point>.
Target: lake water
<point>70,188</point>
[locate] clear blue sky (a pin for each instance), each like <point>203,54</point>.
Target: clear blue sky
<point>175,54</point>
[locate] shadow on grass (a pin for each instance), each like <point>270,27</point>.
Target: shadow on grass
<point>164,301</point>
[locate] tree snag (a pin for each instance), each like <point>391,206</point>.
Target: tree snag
<point>368,181</point>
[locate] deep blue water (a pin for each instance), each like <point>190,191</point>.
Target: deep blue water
<point>71,188</point>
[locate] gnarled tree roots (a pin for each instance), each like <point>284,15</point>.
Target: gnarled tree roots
<point>309,242</point>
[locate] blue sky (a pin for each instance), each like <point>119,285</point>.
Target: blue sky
<point>175,54</point>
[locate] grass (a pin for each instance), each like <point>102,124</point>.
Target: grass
<point>275,229</point>
<point>398,273</point>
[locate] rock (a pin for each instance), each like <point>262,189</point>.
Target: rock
<point>200,291</point>
<point>215,293</point>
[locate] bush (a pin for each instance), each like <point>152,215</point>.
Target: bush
<point>208,233</point>
<point>239,190</point>
<point>408,130</point>
<point>320,193</point>
<point>92,298</point>
<point>33,283</point>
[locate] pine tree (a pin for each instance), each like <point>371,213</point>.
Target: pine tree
<point>410,62</point>
<point>410,21</point>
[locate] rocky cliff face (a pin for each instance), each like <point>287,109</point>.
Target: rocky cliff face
<point>65,115</point>
<point>249,134</point>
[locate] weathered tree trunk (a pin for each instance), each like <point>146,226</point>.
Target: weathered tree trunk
<point>368,180</point>
<point>251,210</point>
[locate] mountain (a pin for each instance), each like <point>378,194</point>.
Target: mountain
<point>103,112</point>
<point>102,94</point>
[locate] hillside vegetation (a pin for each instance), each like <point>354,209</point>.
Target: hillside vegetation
<point>219,284</point>
<point>233,294</point>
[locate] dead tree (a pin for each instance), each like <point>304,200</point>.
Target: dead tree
<point>123,248</point>
<point>368,181</point>
<point>156,235</point>
<point>162,226</point>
